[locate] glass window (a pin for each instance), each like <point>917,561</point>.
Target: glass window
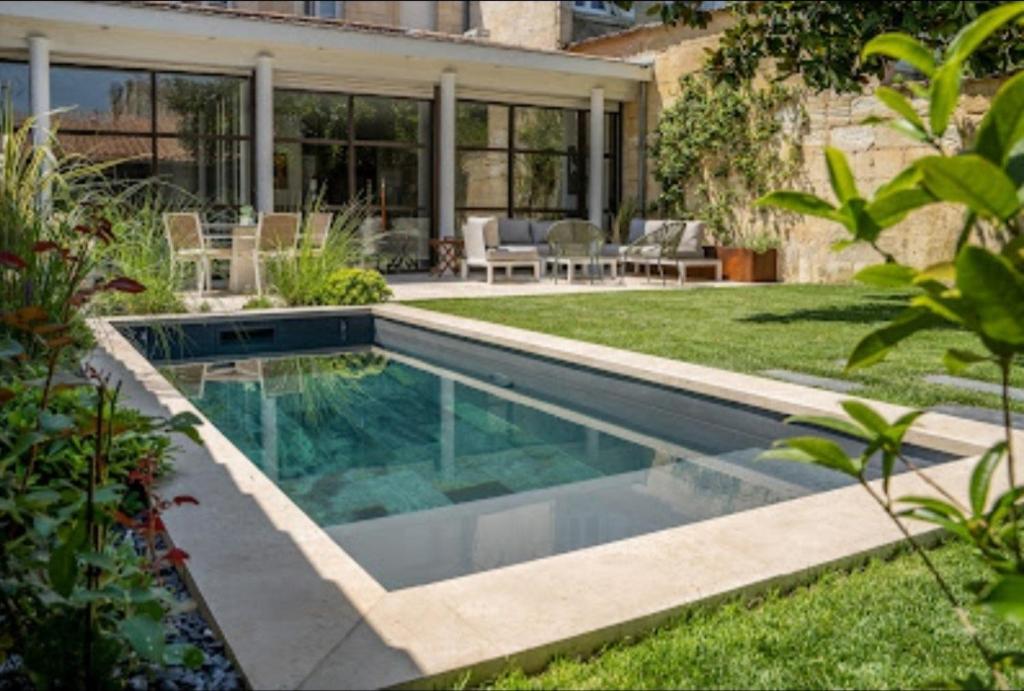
<point>325,9</point>
<point>546,129</point>
<point>378,118</point>
<point>481,125</point>
<point>14,88</point>
<point>203,106</point>
<point>123,157</point>
<point>310,115</point>
<point>101,99</point>
<point>546,181</point>
<point>393,177</point>
<point>481,179</point>
<point>306,172</point>
<point>215,170</point>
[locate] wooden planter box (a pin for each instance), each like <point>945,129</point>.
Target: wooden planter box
<point>747,266</point>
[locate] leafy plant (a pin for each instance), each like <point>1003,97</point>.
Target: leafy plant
<point>822,41</point>
<point>258,303</point>
<point>299,277</point>
<point>626,212</point>
<point>719,147</point>
<point>354,287</point>
<point>980,290</point>
<point>78,605</point>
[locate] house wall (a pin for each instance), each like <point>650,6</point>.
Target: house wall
<point>439,15</point>
<point>545,24</point>
<point>876,153</point>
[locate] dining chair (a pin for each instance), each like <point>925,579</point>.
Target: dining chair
<point>276,233</point>
<point>318,225</point>
<point>185,238</point>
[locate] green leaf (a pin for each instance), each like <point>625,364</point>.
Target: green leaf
<point>945,90</point>
<point>901,47</point>
<point>63,569</point>
<point>54,423</point>
<point>1003,124</point>
<point>111,494</point>
<point>996,291</point>
<point>146,637</point>
<point>821,452</point>
<point>10,348</point>
<point>886,276</point>
<point>184,654</point>
<point>956,360</point>
<point>799,202</point>
<point>1006,598</point>
<point>866,416</point>
<point>899,104</point>
<point>942,273</point>
<point>981,477</point>
<point>877,344</point>
<point>840,175</point>
<point>908,178</point>
<point>974,34</point>
<point>972,180</point>
<point>905,128</point>
<point>889,209</point>
<point>827,422</point>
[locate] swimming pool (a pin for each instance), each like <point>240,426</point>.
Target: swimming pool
<point>427,456</point>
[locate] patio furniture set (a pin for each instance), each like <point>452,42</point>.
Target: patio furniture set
<point>491,243</point>
<point>244,246</point>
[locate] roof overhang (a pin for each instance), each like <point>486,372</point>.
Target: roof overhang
<point>350,57</point>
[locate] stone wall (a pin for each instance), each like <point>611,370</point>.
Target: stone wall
<point>876,154</point>
<point>545,24</point>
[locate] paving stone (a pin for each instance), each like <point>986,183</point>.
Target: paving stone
<point>989,415</point>
<point>840,385</point>
<point>1016,394</point>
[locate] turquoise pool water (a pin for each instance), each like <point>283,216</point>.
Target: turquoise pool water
<point>429,457</point>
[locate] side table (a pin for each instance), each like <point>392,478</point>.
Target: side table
<point>449,255</point>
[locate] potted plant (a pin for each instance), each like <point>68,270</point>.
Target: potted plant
<point>752,259</point>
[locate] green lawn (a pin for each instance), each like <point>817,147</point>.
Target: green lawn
<point>883,626</point>
<point>810,328</point>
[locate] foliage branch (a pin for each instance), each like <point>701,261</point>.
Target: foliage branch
<point>980,290</point>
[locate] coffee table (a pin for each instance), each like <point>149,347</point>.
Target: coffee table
<point>570,263</point>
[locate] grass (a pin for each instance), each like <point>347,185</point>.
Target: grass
<point>808,328</point>
<point>881,626</point>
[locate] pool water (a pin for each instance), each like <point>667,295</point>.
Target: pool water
<point>433,457</point>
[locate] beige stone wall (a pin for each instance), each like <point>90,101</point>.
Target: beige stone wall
<point>538,24</point>
<point>876,154</point>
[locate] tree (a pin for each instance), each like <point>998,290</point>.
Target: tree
<point>822,41</point>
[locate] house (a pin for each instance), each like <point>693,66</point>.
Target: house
<point>433,110</point>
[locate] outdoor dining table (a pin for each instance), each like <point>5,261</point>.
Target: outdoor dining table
<point>242,239</point>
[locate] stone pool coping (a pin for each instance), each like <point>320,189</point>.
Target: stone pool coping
<point>297,612</point>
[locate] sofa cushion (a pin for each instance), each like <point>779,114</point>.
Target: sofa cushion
<point>518,254</point>
<point>539,231</point>
<point>490,224</point>
<point>636,229</point>
<point>691,241</point>
<point>514,231</point>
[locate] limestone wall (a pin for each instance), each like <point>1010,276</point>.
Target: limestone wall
<point>876,154</point>
<point>545,24</point>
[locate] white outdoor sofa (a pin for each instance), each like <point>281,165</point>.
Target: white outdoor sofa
<point>659,244</point>
<point>482,250</point>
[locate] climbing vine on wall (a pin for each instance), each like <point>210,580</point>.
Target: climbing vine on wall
<point>719,147</point>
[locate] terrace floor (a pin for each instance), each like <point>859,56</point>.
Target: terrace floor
<point>423,286</point>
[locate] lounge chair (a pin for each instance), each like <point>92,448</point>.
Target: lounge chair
<point>668,243</point>
<point>480,235</point>
<point>318,226</point>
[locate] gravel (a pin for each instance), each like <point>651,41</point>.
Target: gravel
<point>217,672</point>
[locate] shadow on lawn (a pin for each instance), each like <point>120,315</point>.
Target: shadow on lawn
<point>868,313</point>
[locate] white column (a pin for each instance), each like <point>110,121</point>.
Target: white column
<point>264,133</point>
<point>595,195</point>
<point>39,101</point>
<point>446,157</point>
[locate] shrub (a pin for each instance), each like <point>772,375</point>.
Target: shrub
<point>79,606</point>
<point>258,303</point>
<point>354,287</point>
<point>299,277</point>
